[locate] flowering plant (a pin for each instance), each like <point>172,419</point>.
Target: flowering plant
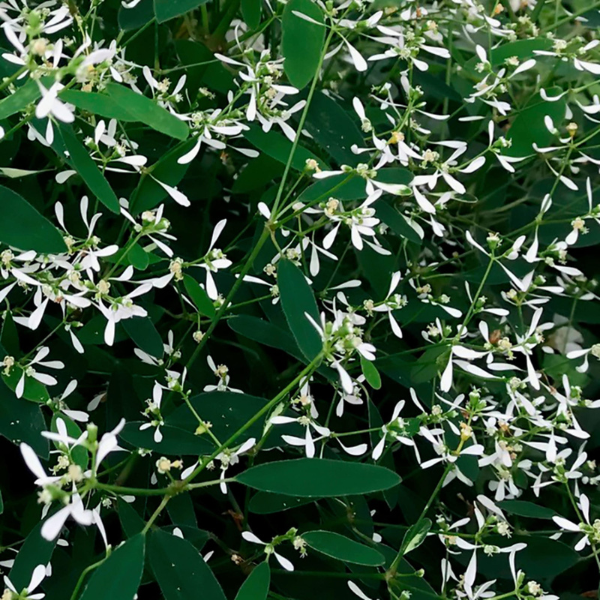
<point>296,301</point>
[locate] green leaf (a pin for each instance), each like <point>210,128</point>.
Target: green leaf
<point>147,111</point>
<point>526,509</point>
<point>89,171</point>
<point>416,535</point>
<point>522,49</point>
<point>277,146</point>
<point>256,174</point>
<point>529,125</point>
<point>22,421</point>
<point>138,257</point>
<point>149,194</point>
<point>118,577</point>
<point>396,175</point>
<point>9,337</point>
<point>142,331</point>
<point>428,364</point>
<point>35,551</point>
<point>227,411</point>
<point>34,390</point>
<point>180,569</point>
<point>302,41</point>
<point>181,511</point>
<point>199,296</point>
<point>97,104</point>
<point>251,10</point>
<point>169,9</point>
<point>318,478</point>
<point>371,373</point>
<point>175,441</point>
<point>25,228</point>
<point>263,503</point>
<point>197,537</point>
<point>396,221</point>
<point>256,587</point>
<point>266,333</point>
<point>343,187</point>
<point>22,98</point>
<point>297,299</point>
<point>131,521</point>
<point>333,129</point>
<point>343,548</point>
<point>136,17</point>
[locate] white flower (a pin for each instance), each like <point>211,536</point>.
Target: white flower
<point>394,429</point>
<point>38,575</point>
<point>307,441</point>
<point>51,105</point>
<point>153,413</point>
<point>30,372</point>
<point>269,549</point>
<point>589,530</point>
<point>75,509</point>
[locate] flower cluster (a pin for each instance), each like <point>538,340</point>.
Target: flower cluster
<point>318,267</point>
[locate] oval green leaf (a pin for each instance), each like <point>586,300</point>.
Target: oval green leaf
<point>118,577</point>
<point>416,535</point>
<point>333,129</point>
<point>25,228</point>
<point>302,41</point>
<point>264,332</point>
<point>396,221</point>
<point>297,299</point>
<point>35,551</point>
<point>89,171</point>
<point>263,503</point>
<point>142,331</point>
<point>529,125</point>
<point>147,111</point>
<point>343,548</point>
<point>256,587</point>
<point>176,441</point>
<point>277,146</point>
<point>318,478</point>
<point>22,421</point>
<point>169,9</point>
<point>138,257</point>
<point>96,104</point>
<point>22,98</point>
<point>180,569</point>
<point>199,296</point>
<point>251,10</point>
<point>371,373</point>
<point>523,508</point>
<point>139,15</point>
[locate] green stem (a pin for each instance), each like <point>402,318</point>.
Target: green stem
<point>570,17</point>
<point>83,575</point>
<point>131,491</point>
<point>156,514</point>
<point>13,77</point>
